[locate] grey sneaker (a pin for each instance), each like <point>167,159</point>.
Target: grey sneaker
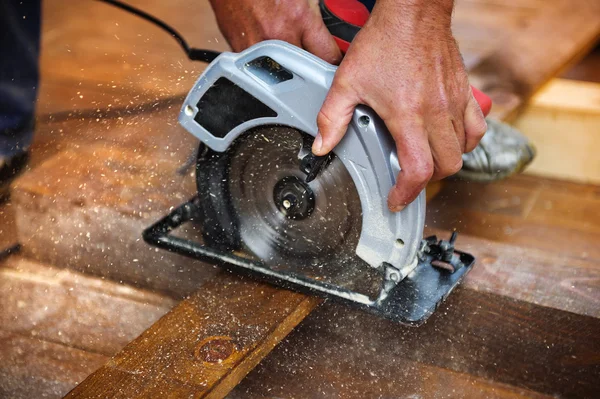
<point>10,168</point>
<point>503,151</point>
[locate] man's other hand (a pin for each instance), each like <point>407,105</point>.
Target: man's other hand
<point>299,22</point>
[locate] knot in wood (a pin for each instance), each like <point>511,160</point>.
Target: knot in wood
<point>215,350</point>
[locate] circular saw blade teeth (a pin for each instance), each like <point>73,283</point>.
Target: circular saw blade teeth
<point>264,160</point>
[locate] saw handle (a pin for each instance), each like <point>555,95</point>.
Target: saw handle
<point>344,18</point>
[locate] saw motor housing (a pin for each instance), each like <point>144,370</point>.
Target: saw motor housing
<point>274,83</point>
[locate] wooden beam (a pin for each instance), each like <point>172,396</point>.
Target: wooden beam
<point>34,368</point>
<point>523,317</point>
<point>563,121</point>
<point>531,48</point>
<point>72,309</point>
<point>204,346</point>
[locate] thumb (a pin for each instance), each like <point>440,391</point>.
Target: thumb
<point>334,117</point>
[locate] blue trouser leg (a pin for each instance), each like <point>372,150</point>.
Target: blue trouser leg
<point>19,53</point>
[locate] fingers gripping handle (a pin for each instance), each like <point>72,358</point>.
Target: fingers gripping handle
<point>344,18</point>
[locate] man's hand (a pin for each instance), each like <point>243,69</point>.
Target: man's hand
<point>406,66</point>
<point>299,22</point>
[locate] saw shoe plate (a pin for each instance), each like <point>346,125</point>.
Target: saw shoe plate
<point>411,301</point>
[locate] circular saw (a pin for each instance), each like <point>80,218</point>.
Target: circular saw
<point>270,208</point>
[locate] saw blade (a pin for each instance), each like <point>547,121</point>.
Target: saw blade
<point>283,220</point>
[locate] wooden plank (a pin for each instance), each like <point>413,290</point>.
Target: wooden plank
<point>553,280</point>
<point>325,360</point>
<point>72,309</point>
<point>522,317</point>
<point>555,216</point>
<point>86,209</point>
<point>563,120</point>
<point>204,346</point>
<point>33,368</point>
<point>554,35</point>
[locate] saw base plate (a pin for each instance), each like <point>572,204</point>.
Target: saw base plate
<point>410,302</point>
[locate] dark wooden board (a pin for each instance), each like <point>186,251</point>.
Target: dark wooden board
<point>72,309</point>
<point>512,48</point>
<point>519,318</point>
<point>529,211</point>
<point>337,353</point>
<point>86,208</point>
<point>34,368</point>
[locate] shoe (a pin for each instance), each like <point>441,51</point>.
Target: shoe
<point>502,152</point>
<point>10,168</point>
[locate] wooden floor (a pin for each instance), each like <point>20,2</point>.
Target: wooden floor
<point>110,80</point>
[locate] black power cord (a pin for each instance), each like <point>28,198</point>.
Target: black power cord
<point>194,54</point>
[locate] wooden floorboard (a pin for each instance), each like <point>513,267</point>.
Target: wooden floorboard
<point>73,309</point>
<point>523,317</point>
<point>338,353</point>
<point>57,326</point>
<point>528,211</point>
<point>34,368</point>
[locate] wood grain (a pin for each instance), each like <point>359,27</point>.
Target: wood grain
<point>204,346</point>
<point>555,216</point>
<point>553,280</point>
<point>523,317</point>
<point>72,309</point>
<point>33,368</point>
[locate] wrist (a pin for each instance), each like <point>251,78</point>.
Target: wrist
<point>415,15</point>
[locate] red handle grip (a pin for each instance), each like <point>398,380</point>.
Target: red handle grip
<point>484,101</point>
<point>344,18</point>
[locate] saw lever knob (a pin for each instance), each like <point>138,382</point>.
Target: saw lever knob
<point>310,164</point>
<point>441,253</point>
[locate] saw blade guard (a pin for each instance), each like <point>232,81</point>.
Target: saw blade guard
<point>276,83</point>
